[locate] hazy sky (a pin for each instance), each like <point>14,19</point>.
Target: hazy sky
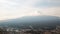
<point>10,9</point>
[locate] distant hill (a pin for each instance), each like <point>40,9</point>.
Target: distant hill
<point>35,21</point>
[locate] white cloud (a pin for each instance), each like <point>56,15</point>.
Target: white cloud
<point>16,8</point>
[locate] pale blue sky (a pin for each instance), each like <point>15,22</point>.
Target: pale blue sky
<point>10,9</point>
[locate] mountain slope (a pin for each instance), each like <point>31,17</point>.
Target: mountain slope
<point>34,21</point>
